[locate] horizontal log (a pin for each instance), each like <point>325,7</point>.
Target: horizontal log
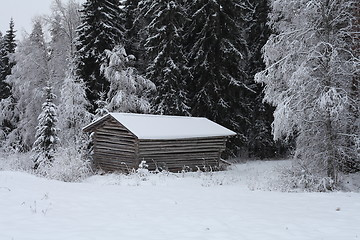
<point>119,162</point>
<point>179,161</point>
<point>115,132</point>
<point>112,133</point>
<point>181,156</point>
<point>179,151</point>
<point>112,168</point>
<point>115,146</point>
<point>114,136</point>
<point>190,163</point>
<point>114,154</point>
<point>105,156</point>
<point>188,145</point>
<point>113,127</point>
<point>122,144</point>
<point>194,166</point>
<point>107,161</point>
<point>181,141</point>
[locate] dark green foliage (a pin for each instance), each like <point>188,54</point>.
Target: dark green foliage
<point>133,27</point>
<point>100,30</point>
<point>167,60</point>
<point>260,140</point>
<point>7,47</point>
<point>218,55</point>
<point>2,64</point>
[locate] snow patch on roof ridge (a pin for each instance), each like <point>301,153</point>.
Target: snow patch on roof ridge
<point>149,126</point>
<point>155,115</point>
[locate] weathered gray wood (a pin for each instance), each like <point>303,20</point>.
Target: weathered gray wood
<point>182,141</point>
<point>117,149</point>
<point>179,149</point>
<point>115,155</point>
<point>111,133</point>
<point>114,145</point>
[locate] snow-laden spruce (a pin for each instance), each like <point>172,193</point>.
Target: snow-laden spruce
<point>311,79</point>
<point>218,53</point>
<point>128,89</point>
<point>100,30</point>
<point>7,48</point>
<point>166,54</point>
<point>46,134</point>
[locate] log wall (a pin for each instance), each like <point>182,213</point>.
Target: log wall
<point>115,148</point>
<point>174,155</point>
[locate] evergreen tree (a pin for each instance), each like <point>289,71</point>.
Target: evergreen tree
<point>102,106</point>
<point>128,89</point>
<point>218,56</point>
<point>131,17</point>
<point>137,19</point>
<point>165,51</point>
<point>100,30</point>
<point>311,68</point>
<point>2,64</point>
<point>8,48</point>
<point>46,134</point>
<point>259,138</point>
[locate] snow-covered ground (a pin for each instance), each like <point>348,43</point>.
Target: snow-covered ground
<point>235,204</point>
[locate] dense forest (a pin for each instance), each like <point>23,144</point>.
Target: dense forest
<point>283,74</point>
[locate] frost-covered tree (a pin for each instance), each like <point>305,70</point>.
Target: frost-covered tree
<point>46,134</point>
<point>100,30</point>
<point>311,70</point>
<point>2,65</point>
<point>73,114</point>
<point>102,105</point>
<point>218,56</point>
<point>64,20</point>
<point>165,51</point>
<point>7,48</point>
<point>128,89</point>
<point>30,74</point>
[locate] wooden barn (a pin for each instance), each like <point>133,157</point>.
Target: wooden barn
<point>122,140</point>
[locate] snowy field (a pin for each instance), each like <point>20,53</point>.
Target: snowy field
<point>236,204</point>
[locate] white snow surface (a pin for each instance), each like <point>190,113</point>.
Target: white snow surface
<point>235,204</point>
<point>147,126</point>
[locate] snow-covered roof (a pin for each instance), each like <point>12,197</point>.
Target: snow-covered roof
<point>146,126</point>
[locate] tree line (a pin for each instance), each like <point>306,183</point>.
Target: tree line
<point>195,58</point>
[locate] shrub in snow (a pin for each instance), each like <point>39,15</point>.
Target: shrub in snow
<point>14,161</point>
<point>143,172</point>
<point>70,165</point>
<point>299,178</point>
